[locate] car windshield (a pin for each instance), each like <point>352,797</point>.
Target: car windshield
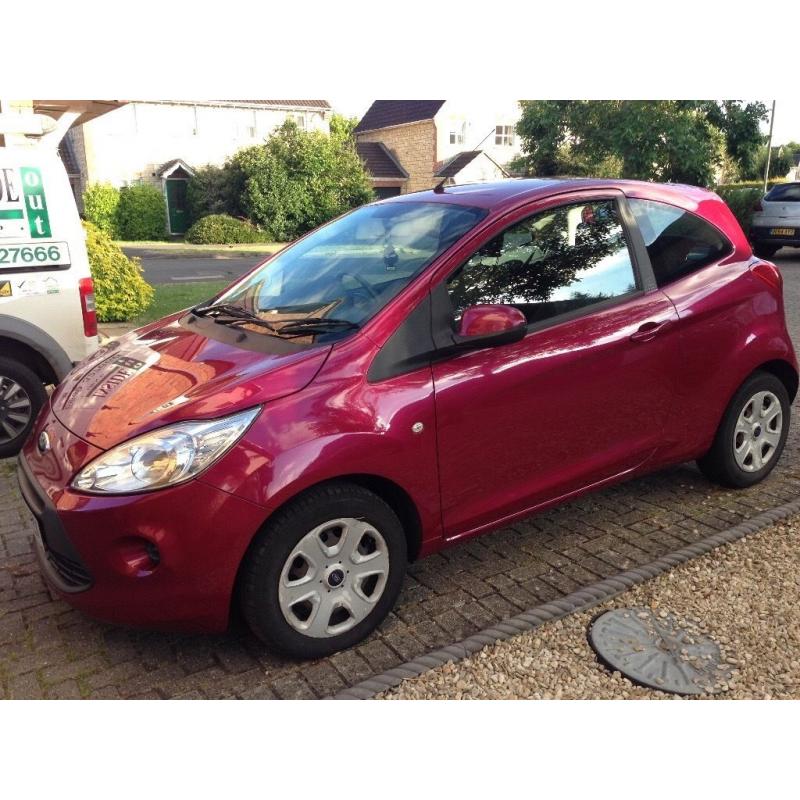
<point>339,276</point>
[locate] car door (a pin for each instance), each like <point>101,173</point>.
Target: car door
<point>584,396</point>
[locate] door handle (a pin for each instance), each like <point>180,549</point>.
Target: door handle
<point>648,331</point>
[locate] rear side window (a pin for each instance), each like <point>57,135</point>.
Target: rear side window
<point>678,242</point>
<point>788,193</point>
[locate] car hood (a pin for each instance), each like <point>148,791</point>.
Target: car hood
<point>167,372</point>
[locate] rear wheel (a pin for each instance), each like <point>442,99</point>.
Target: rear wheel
<point>324,572</point>
<point>752,434</point>
<point>22,394</point>
<point>765,250</point>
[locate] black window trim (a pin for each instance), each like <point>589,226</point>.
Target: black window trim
<point>640,262</point>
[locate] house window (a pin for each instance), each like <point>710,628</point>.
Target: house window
<point>504,135</point>
<point>458,133</point>
<point>298,119</point>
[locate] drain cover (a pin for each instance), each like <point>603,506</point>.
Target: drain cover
<point>655,649</point>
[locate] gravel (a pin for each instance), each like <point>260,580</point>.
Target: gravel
<point>745,595</point>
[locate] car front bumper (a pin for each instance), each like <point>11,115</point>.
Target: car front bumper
<point>166,559</point>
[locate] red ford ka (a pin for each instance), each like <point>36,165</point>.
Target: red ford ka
<point>416,372</point>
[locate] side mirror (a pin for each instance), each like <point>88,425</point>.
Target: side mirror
<point>490,325</point>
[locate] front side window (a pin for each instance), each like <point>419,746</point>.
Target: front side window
<point>677,241</point>
<point>504,135</point>
<point>555,262</point>
<point>345,272</point>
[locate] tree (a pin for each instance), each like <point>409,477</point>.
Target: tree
<point>298,180</point>
<point>781,161</point>
<point>667,140</point>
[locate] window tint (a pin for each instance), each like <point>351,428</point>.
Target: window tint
<point>549,264</point>
<point>788,193</point>
<point>677,242</point>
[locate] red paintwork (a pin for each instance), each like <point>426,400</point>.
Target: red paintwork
<point>507,429</point>
<point>488,318</point>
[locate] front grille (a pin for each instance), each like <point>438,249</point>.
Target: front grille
<point>75,575</point>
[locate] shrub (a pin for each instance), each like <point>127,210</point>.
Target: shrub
<point>213,190</point>
<point>297,181</point>
<point>750,184</point>
<point>141,213</point>
<point>100,203</point>
<point>222,229</point>
<point>120,291</point>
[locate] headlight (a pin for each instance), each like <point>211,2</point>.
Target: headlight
<point>163,457</point>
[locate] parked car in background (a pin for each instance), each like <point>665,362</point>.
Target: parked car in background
<point>47,315</point>
<point>417,372</point>
<point>776,220</point>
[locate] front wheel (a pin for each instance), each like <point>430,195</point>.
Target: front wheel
<point>22,394</point>
<point>752,434</point>
<point>324,572</point>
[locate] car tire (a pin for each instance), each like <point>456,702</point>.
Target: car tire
<point>22,395</point>
<point>324,571</point>
<point>748,444</point>
<point>765,250</point>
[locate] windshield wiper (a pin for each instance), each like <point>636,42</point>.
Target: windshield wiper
<point>311,325</point>
<point>223,309</point>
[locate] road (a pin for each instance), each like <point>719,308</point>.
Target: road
<point>159,268</point>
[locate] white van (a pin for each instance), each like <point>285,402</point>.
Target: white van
<point>47,315</point>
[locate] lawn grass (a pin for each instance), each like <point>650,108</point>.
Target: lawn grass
<point>173,297</point>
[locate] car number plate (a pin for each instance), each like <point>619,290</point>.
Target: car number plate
<point>27,256</point>
<point>781,231</point>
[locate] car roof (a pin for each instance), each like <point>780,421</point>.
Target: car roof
<point>502,194</point>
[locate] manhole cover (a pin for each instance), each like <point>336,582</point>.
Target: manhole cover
<point>655,649</point>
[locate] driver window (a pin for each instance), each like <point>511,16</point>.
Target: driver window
<point>551,263</point>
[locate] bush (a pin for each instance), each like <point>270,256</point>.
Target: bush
<point>100,203</point>
<point>120,291</point>
<point>141,213</point>
<point>213,190</point>
<point>297,181</point>
<point>222,229</point>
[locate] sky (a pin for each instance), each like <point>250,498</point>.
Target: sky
<point>787,115</point>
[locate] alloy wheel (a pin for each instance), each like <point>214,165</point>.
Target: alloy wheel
<point>15,409</point>
<point>334,577</point>
<point>758,431</point>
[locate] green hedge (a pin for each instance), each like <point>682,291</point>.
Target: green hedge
<point>120,291</point>
<point>751,184</point>
<point>100,203</point>
<point>141,213</point>
<point>222,229</point>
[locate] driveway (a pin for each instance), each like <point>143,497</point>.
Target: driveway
<point>50,650</point>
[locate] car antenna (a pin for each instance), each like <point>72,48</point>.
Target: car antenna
<point>439,188</point>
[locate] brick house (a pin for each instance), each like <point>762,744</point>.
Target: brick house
<point>411,145</point>
<point>161,141</point>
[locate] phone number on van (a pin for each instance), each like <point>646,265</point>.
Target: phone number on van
<point>31,256</point>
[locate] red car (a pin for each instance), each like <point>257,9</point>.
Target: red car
<point>414,373</point>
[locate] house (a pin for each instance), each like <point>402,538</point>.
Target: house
<point>410,145</point>
<point>163,141</point>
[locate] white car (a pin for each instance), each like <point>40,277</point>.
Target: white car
<point>47,315</point>
<point>776,220</point>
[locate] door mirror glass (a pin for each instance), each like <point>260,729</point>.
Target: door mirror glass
<point>491,324</point>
